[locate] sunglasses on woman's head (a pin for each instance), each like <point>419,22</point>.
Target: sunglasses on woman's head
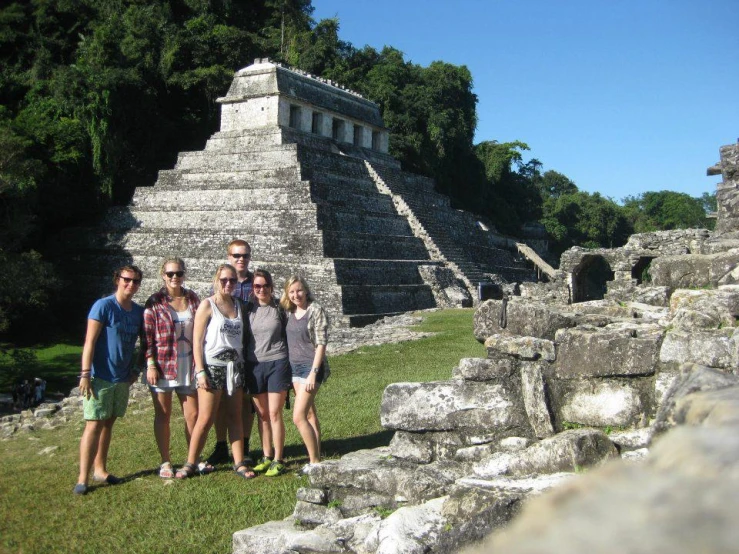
<point>171,274</point>
<point>231,280</point>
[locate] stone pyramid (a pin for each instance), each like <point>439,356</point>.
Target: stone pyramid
<point>300,170</point>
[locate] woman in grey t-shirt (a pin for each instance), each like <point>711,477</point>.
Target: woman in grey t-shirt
<point>268,376</point>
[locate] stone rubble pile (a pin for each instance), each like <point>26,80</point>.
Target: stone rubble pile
<point>627,359</point>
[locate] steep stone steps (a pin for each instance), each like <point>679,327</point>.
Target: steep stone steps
<point>361,299</point>
<point>361,245</point>
<point>379,272</point>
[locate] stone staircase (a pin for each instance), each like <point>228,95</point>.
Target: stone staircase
<point>454,236</point>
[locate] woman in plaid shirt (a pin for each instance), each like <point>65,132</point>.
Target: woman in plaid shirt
<point>168,323</point>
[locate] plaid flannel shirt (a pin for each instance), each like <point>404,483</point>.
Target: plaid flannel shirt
<point>159,329</point>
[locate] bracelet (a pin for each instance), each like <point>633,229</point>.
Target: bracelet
<point>197,373</point>
<point>84,376</point>
<point>151,363</point>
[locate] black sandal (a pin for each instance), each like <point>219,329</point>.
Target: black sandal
<point>243,470</point>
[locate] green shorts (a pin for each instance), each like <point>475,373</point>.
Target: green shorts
<point>108,400</point>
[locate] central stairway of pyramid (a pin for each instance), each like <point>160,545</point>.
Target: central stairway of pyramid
<point>300,170</point>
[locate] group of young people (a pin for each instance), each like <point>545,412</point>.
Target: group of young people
<point>236,353</point>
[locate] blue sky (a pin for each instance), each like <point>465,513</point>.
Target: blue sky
<point>623,97</point>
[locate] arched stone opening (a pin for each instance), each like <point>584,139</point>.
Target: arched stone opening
<point>640,271</point>
<point>590,278</point>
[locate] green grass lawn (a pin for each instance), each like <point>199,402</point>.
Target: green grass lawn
<point>146,514</point>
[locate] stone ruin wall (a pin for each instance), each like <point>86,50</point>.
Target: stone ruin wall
<point>649,391</point>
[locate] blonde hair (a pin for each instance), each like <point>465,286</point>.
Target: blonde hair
<point>175,260</point>
<point>285,301</point>
<point>217,277</point>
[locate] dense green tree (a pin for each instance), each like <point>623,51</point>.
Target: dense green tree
<point>584,219</point>
<point>655,211</point>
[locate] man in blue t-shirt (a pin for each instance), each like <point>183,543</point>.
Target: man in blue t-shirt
<point>113,325</point>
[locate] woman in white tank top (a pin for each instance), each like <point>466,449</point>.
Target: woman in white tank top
<point>218,340</point>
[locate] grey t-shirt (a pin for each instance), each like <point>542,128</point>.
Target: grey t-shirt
<point>266,340</point>
<point>298,340</point>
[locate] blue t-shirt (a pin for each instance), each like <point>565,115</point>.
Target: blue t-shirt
<point>114,349</point>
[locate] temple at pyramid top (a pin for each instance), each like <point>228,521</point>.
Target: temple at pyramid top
<point>267,94</point>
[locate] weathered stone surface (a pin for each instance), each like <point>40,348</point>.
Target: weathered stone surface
<point>472,512</point>
<point>602,403</point>
<point>566,451</point>
<point>693,378</point>
<point>514,444</point>
<point>534,398</point>
<point>314,496</point>
<point>484,369</point>
<point>312,514</point>
<point>414,447</point>
<point>713,348</point>
<point>717,307</point>
<point>273,537</point>
<point>681,499</point>
<point>600,353</point>
<point>695,270</point>
<point>352,532</point>
<point>522,347</point>
<point>447,405</point>
<point>711,408</point>
<point>411,530</point>
<point>633,439</point>
<point>525,318</point>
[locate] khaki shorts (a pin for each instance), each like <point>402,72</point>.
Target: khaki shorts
<point>107,400</point>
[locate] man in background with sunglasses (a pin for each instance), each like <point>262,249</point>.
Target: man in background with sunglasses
<point>113,325</point>
<point>239,256</point>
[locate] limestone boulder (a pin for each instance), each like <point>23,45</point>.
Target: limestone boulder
<point>533,389</point>
<point>484,369</point>
<point>566,451</point>
<point>409,530</point>
<point>520,317</point>
<point>716,307</point>
<point>694,270</point>
<point>713,348</point>
<point>604,402</point>
<point>486,407</point>
<point>589,352</point>
<point>691,379</point>
<point>520,347</point>
<point>682,499</point>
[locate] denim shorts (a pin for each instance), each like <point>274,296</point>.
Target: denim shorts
<point>262,377</point>
<point>301,372</point>
<point>107,400</point>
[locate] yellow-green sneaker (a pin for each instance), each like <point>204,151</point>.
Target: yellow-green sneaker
<point>263,464</point>
<point>276,468</point>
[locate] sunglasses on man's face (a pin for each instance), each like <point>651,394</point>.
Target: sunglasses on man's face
<point>129,279</point>
<point>171,274</point>
<point>239,256</point>
<point>231,280</point>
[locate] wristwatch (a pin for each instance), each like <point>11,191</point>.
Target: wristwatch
<point>315,370</point>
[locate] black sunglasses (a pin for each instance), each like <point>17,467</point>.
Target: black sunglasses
<point>231,280</point>
<point>238,256</point>
<point>171,274</point>
<point>129,279</point>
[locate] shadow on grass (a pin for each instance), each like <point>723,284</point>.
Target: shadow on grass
<point>334,448</point>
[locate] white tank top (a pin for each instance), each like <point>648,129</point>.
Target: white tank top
<point>223,334</point>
